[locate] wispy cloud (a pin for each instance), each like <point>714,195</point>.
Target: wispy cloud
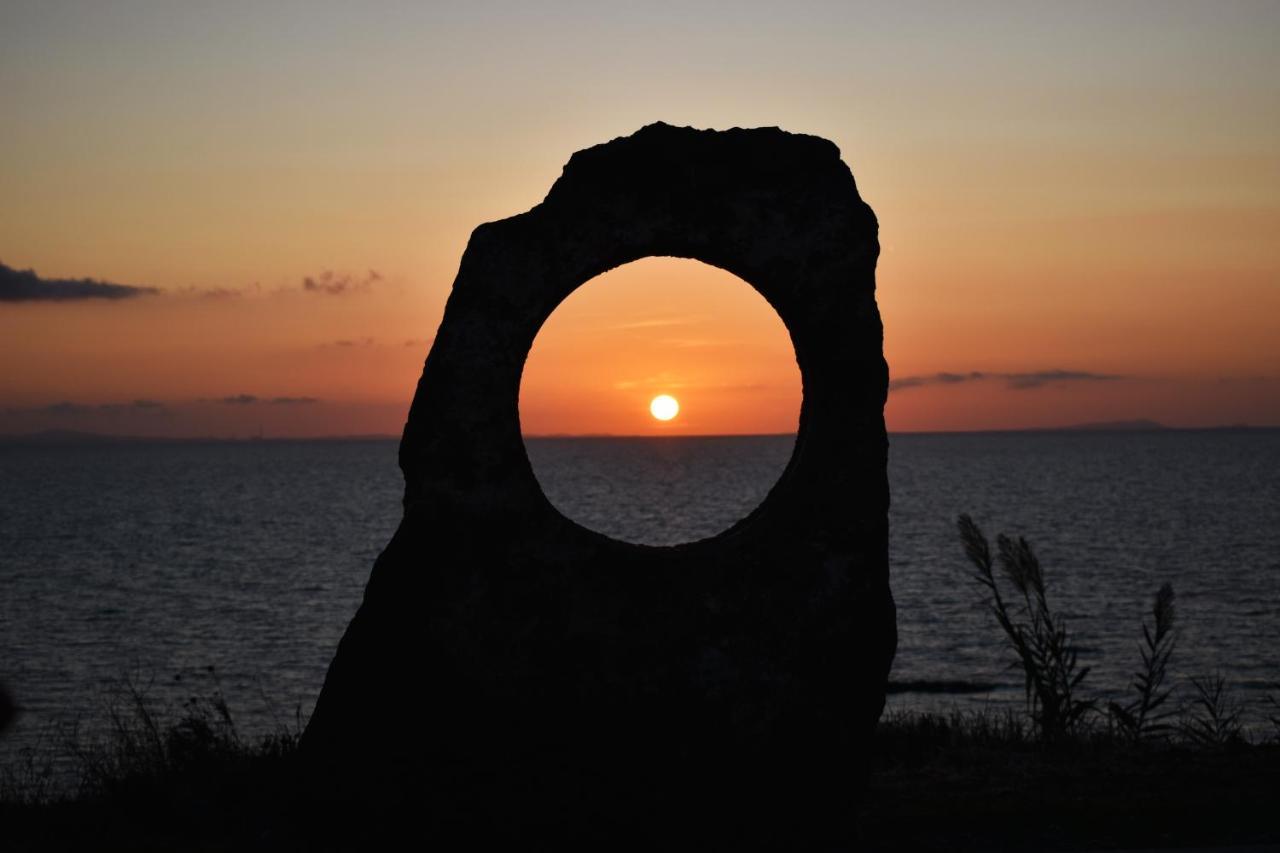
<point>329,283</point>
<point>1014,381</point>
<point>73,409</point>
<point>936,379</point>
<point>696,343</point>
<point>662,380</point>
<point>347,343</point>
<point>66,407</point>
<point>665,382</point>
<point>215,293</point>
<point>26,286</point>
<point>655,323</point>
<point>136,406</point>
<point>1022,381</point>
<point>253,400</point>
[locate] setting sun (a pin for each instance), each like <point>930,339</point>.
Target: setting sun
<point>664,407</point>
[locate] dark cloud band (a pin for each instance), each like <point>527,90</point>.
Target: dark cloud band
<point>329,283</point>
<point>67,407</point>
<point>253,399</point>
<point>1015,381</point>
<point>26,286</point>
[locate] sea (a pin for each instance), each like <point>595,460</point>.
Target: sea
<point>232,567</point>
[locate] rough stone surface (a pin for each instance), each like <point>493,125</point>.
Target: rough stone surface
<point>502,640</point>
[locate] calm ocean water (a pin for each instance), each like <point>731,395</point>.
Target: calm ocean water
<point>161,560</point>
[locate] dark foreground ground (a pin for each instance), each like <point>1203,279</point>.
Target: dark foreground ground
<point>939,786</point>
<point>936,783</point>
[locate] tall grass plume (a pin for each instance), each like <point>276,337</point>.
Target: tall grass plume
<point>1044,649</point>
<point>1147,714</point>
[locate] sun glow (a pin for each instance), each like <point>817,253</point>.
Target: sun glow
<point>664,407</point>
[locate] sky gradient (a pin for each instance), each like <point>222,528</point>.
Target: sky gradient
<point>1079,207</point>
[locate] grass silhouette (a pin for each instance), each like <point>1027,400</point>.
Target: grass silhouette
<point>1147,714</point>
<point>1038,636</point>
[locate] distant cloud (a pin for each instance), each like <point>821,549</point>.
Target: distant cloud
<point>68,408</point>
<point>26,286</point>
<point>350,342</point>
<point>696,343</point>
<point>665,382</point>
<point>662,380</point>
<point>253,399</point>
<point>136,406</point>
<point>936,379</point>
<point>656,323</point>
<point>329,283</point>
<point>1021,381</point>
<point>1015,381</point>
<point>213,293</point>
<point>734,387</point>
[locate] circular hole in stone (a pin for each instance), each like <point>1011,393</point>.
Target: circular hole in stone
<point>659,402</point>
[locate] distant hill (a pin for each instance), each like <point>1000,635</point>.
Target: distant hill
<point>1146,425</point>
<point>68,436</point>
<point>1136,425</point>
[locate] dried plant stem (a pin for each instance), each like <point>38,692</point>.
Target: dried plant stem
<point>1038,636</point>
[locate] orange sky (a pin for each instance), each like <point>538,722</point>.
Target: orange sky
<point>662,326</point>
<point>1079,207</point>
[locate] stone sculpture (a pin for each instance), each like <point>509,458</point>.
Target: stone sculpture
<point>498,640</point>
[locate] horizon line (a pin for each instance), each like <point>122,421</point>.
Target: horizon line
<point>52,436</point>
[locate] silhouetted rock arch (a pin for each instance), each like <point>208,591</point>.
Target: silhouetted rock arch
<point>495,634</point>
